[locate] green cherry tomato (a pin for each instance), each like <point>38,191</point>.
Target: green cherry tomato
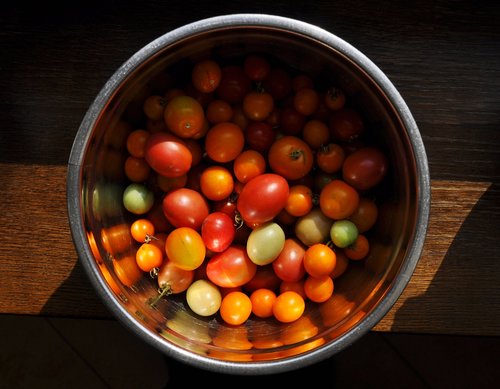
<point>265,243</point>
<point>343,233</point>
<point>138,199</point>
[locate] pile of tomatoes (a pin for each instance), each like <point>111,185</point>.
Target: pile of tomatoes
<point>251,187</point>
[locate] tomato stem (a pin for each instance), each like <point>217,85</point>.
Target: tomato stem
<point>295,154</point>
<point>163,290</point>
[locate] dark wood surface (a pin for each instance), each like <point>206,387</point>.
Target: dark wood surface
<point>444,57</point>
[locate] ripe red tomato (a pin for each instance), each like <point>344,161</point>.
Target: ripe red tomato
<point>167,155</point>
<point>346,124</point>
<point>234,84</point>
<point>256,67</point>
<point>289,266</point>
<point>185,207</point>
<point>330,158</point>
<point>206,75</point>
<point>231,268</point>
<point>175,279</point>
<point>365,168</point>
<point>259,136</point>
<point>290,157</point>
<point>262,198</point>
<point>258,105</point>
<point>218,231</point>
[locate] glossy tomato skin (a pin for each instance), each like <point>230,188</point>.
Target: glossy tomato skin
<point>290,157</point>
<point>218,231</point>
<point>365,168</point>
<point>185,207</point>
<point>289,266</point>
<point>167,155</point>
<point>262,198</point>
<point>231,268</point>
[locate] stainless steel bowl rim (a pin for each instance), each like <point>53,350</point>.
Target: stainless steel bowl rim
<point>74,191</point>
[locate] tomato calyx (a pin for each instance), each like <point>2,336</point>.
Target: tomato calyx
<point>296,154</point>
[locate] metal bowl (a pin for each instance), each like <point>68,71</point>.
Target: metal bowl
<point>363,295</point>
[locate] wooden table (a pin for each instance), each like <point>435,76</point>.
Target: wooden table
<point>444,57</point>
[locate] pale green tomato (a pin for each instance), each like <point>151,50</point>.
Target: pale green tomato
<point>313,228</point>
<point>265,243</point>
<point>343,233</point>
<point>203,297</point>
<point>138,199</point>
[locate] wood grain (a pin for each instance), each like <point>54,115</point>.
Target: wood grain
<point>442,56</point>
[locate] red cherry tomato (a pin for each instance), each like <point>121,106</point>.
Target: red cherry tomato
<point>290,157</point>
<point>167,155</point>
<point>185,207</point>
<point>231,267</point>
<point>218,231</point>
<point>234,84</point>
<point>364,168</point>
<point>260,136</point>
<point>262,198</point>
<point>289,266</point>
<point>184,116</point>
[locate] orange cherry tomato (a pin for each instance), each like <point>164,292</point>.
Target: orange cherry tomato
<point>300,200</point>
<point>334,98</point>
<point>306,101</point>
<point>206,75</point>
<point>136,169</point>
<point>262,302</point>
<point>235,308</point>
<point>256,67</point>
<point>359,249</point>
<point>338,200</point>
<point>184,116</point>
<point>148,257</point>
<point>185,248</point>
<point>142,230</point>
<point>318,289</point>
<point>127,270</point>
<point>341,264</point>
<point>154,106</point>
<point>319,260</point>
<point>224,142</point>
<point>290,157</point>
<point>116,239</point>
<point>219,111</point>
<point>216,182</point>
<point>249,164</point>
<point>316,133</point>
<point>288,306</point>
<point>257,105</point>
<point>136,142</point>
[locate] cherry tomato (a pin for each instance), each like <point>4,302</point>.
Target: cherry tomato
<point>318,289</point>
<point>148,257</point>
<point>219,111</point>
<point>290,157</point>
<point>278,83</point>
<point>265,242</point>
<point>257,105</point>
<point>260,136</point>
<point>343,233</point>
<point>142,230</point>
<point>334,98</point>
<point>365,216</point>
<point>136,142</point>
<point>338,200</point>
<point>216,182</point>
<point>235,308</point>
<point>234,84</point>
<point>315,133</point>
<point>185,248</point>
<point>262,302</point>
<point>300,200</point>
<point>262,198</point>
<point>138,199</point>
<point>256,67</point>
<point>306,101</point>
<point>166,184</point>
<point>206,75</point>
<point>127,271</point>
<point>291,122</point>
<point>341,265</point>
<point>330,158</point>
<point>359,249</point>
<point>154,106</point>
<point>346,124</point>
<point>294,286</point>
<point>249,164</point>
<point>167,155</point>
<point>224,142</point>
<point>288,306</point>
<point>289,266</point>
<point>185,207</point>
<point>364,168</point>
<point>302,80</point>
<point>265,277</point>
<point>313,227</point>
<point>136,169</point>
<point>231,267</point>
<point>203,297</point>
<point>319,260</point>
<point>218,231</point>
<point>173,279</point>
<point>184,116</point>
